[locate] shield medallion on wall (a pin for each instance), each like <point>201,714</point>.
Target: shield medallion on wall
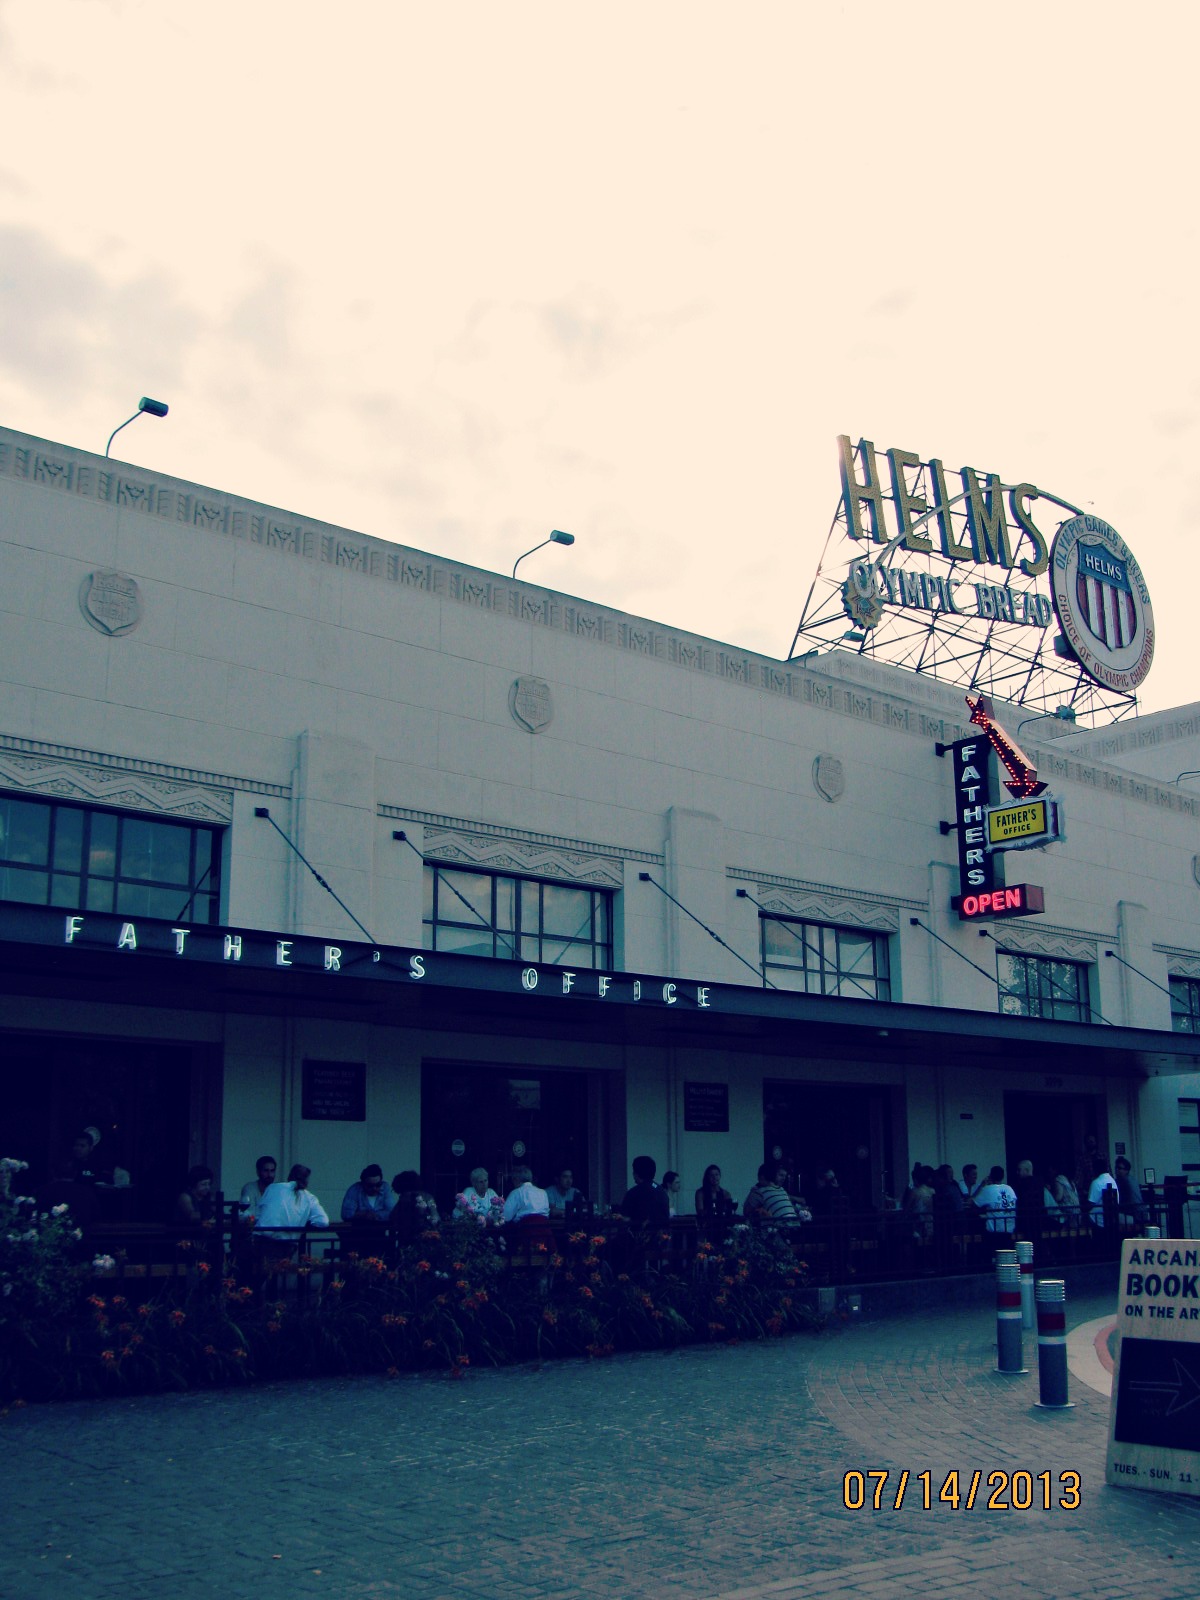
<point>829,779</point>
<point>111,602</point>
<point>530,703</point>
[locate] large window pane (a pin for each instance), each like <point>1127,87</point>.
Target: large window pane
<point>566,911</point>
<point>24,833</point>
<point>155,852</point>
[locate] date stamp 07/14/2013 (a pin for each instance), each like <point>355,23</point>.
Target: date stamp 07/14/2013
<point>882,1490</point>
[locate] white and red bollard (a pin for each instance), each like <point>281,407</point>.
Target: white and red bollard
<point>1008,1314</point>
<point>1025,1262</point>
<point>1052,1344</point>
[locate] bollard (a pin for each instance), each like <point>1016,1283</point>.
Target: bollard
<point>1052,1344</point>
<point>1025,1262</point>
<point>1152,1232</point>
<point>1008,1317</point>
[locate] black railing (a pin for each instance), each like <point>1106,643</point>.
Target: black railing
<point>849,1246</point>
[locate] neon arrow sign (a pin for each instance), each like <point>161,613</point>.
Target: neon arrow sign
<point>1023,778</point>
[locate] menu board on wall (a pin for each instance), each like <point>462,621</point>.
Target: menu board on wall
<point>334,1091</point>
<point>706,1108</point>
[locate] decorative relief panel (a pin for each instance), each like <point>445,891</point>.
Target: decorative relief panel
<point>104,786</point>
<point>1061,942</point>
<point>815,906</point>
<point>516,855</point>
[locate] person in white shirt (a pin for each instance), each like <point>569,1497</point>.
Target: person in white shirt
<point>478,1199</point>
<point>526,1199</point>
<point>997,1203</point>
<point>285,1209</point>
<point>252,1193</point>
<point>1102,1180</point>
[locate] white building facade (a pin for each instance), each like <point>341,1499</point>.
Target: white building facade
<point>319,846</point>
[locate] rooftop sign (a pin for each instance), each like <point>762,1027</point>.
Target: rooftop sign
<point>968,578</point>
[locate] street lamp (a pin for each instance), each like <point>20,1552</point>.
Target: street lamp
<point>1063,713</point>
<point>155,408</point>
<point>556,537</point>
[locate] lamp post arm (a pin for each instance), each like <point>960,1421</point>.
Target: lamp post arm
<point>118,428</point>
<point>519,559</point>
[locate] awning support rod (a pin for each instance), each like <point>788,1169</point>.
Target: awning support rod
<point>711,932</point>
<point>261,811</point>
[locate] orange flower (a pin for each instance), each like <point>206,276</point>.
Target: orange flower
<point>585,1292</point>
<point>109,1357</point>
<point>178,1318</point>
<point>423,1266</point>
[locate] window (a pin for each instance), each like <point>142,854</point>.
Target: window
<point>1043,986</point>
<point>817,958</point>
<point>1185,1004</point>
<point>1189,1135</point>
<point>517,919</point>
<point>88,859</point>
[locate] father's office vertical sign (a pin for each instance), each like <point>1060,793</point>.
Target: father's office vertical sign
<point>1154,1423</point>
<point>979,869</point>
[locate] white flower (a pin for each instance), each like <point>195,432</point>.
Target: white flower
<point>11,1164</point>
<point>103,1264</point>
<point>59,1211</point>
<point>77,1233</point>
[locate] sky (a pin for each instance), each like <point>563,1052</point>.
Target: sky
<point>457,275</point>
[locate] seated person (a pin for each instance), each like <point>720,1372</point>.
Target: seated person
<point>414,1211</point>
<point>1102,1179</point>
<point>671,1185</point>
<point>711,1199</point>
<point>367,1204</point>
<point>563,1193</point>
<point>527,1211</point>
<point>82,1166</point>
<point>196,1203</point>
<point>997,1203</point>
<point>1134,1212</point>
<point>768,1203</point>
<point>284,1211</point>
<point>478,1199</point>
<point>645,1201</point>
<point>252,1193</point>
<point>829,1202</point>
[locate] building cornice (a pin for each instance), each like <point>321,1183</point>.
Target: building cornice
<point>59,469</point>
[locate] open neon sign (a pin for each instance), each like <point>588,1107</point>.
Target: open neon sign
<point>1013,900</point>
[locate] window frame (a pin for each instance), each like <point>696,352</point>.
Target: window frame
<point>590,948</point>
<point>827,974</point>
<point>1049,1007</point>
<point>1185,1018</point>
<point>102,891</point>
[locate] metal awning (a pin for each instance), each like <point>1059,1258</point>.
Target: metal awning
<point>89,956</point>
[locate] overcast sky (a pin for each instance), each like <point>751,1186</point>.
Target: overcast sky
<point>455,275</point>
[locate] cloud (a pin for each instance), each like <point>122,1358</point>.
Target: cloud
<point>64,326</point>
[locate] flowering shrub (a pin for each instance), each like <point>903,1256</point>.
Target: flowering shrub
<point>449,1301</point>
<point>40,1270</point>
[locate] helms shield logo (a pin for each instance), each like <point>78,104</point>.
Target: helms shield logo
<point>1106,606</point>
<point>1102,602</point>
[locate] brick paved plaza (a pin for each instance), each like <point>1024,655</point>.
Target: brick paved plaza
<point>705,1473</point>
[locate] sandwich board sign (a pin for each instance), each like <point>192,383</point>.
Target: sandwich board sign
<point>1154,1423</point>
